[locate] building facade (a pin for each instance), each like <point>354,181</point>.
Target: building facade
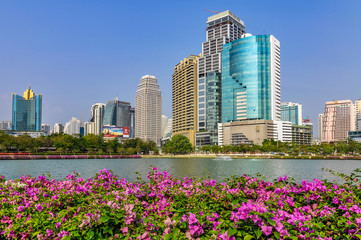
<point>358,115</point>
<point>184,98</point>
<point>338,120</point>
<point>5,125</point>
<point>292,112</point>
<point>26,111</point>
<point>302,134</point>
<point>119,114</point>
<point>45,128</point>
<point>73,127</point>
<point>320,126</point>
<point>251,79</point>
<point>58,128</point>
<point>222,28</point>
<point>148,110</point>
<point>95,123</point>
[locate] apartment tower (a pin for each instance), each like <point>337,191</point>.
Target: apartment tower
<point>222,28</point>
<point>148,110</point>
<point>358,115</point>
<point>338,120</point>
<point>96,119</point>
<point>184,98</point>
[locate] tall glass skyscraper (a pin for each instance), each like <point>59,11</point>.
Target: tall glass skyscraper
<point>26,111</point>
<point>222,28</point>
<point>120,114</point>
<point>291,112</point>
<point>251,79</point>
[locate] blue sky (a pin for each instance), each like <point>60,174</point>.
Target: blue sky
<point>77,53</point>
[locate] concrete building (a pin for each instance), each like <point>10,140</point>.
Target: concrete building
<point>302,134</point>
<point>58,128</point>
<point>45,128</point>
<point>291,112</point>
<point>73,127</point>
<point>148,110</point>
<point>164,123</point>
<point>95,123</point>
<point>222,28</point>
<point>5,125</point>
<point>358,115</point>
<point>320,126</point>
<point>338,120</point>
<point>184,98</point>
<point>246,131</point>
<point>26,111</point>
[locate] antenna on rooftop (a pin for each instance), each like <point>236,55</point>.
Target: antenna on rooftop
<point>211,11</point>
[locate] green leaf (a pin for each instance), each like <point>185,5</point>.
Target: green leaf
<point>231,231</point>
<point>248,237</point>
<point>258,233</point>
<point>90,235</point>
<point>104,219</point>
<point>273,223</point>
<point>358,235</point>
<point>167,236</point>
<point>277,235</point>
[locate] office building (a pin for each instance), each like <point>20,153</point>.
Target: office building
<point>358,115</point>
<point>118,114</point>
<point>168,129</point>
<point>5,125</point>
<point>95,123</point>
<point>184,98</point>
<point>338,120</point>
<point>45,128</point>
<point>148,110</point>
<point>302,134</point>
<point>132,123</point>
<point>26,111</point>
<point>320,126</point>
<point>58,128</point>
<point>292,112</point>
<point>251,79</point>
<point>73,127</point>
<point>222,28</point>
<point>164,123</point>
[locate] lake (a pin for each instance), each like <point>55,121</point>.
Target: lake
<point>217,168</point>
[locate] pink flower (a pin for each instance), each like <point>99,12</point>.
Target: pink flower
<point>125,230</point>
<point>21,208</point>
<point>266,230</point>
<point>58,224</point>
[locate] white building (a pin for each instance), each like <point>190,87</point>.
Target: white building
<point>148,110</point>
<point>358,115</point>
<point>168,129</point>
<point>5,125</point>
<point>45,128</point>
<point>95,124</point>
<point>72,127</point>
<point>320,126</point>
<point>58,128</point>
<point>283,131</point>
<point>164,123</point>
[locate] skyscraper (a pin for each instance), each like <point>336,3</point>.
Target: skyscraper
<point>148,110</point>
<point>338,120</point>
<point>358,115</point>
<point>320,126</point>
<point>184,98</point>
<point>26,111</point>
<point>45,128</point>
<point>58,128</point>
<point>292,112</point>
<point>118,114</point>
<point>251,79</point>
<point>96,119</point>
<point>222,28</point>
<point>72,127</point>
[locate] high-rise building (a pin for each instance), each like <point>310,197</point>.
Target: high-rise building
<point>5,125</point>
<point>358,115</point>
<point>58,128</point>
<point>73,127</point>
<point>251,79</point>
<point>95,124</point>
<point>320,126</point>
<point>184,98</point>
<point>26,111</point>
<point>148,110</point>
<point>338,120</point>
<point>222,28</point>
<point>119,114</point>
<point>45,128</point>
<point>292,112</point>
<point>132,123</point>
<point>164,123</point>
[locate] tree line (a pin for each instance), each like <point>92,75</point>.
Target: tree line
<point>64,143</point>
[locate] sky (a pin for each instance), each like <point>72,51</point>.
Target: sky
<point>77,53</point>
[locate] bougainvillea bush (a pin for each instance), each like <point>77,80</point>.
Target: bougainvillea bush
<point>106,207</point>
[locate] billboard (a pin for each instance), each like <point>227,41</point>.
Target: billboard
<point>115,132</point>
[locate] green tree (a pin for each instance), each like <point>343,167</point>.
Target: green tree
<point>179,144</point>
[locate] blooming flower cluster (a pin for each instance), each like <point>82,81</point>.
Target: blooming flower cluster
<point>106,207</point>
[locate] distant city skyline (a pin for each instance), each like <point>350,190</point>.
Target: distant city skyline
<point>76,60</point>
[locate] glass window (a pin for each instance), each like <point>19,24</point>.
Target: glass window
<point>201,99</point>
<point>201,80</point>
<point>201,111</point>
<point>201,87</point>
<point>201,105</point>
<point>201,93</point>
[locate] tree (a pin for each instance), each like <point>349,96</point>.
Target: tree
<point>179,144</point>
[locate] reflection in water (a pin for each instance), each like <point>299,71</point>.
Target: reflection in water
<point>180,167</point>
